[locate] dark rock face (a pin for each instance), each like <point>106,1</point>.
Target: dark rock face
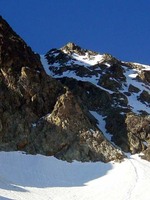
<point>14,50</point>
<point>24,90</point>
<point>38,114</point>
<point>138,130</point>
<point>91,96</point>
<point>130,131</point>
<point>134,89</point>
<point>146,155</point>
<point>145,97</point>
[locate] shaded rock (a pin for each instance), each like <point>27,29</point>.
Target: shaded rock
<point>146,155</point>
<point>1,127</point>
<point>22,144</point>
<point>109,83</point>
<point>138,131</point>
<point>115,124</point>
<point>134,89</point>
<point>145,96</point>
<point>14,52</point>
<point>93,97</point>
<point>129,131</point>
<point>119,100</point>
<point>113,77</point>
<point>110,59</point>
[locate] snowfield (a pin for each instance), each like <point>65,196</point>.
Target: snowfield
<point>28,177</point>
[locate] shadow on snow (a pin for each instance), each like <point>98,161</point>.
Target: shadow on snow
<point>18,171</point>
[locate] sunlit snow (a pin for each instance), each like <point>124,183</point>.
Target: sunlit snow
<point>45,64</point>
<point>87,60</point>
<point>142,66</point>
<point>27,177</point>
<point>101,124</point>
<point>133,102</point>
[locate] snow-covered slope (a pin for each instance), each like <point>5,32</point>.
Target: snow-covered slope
<point>104,71</point>
<point>26,177</point>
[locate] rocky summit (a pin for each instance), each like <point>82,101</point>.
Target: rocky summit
<point>71,103</point>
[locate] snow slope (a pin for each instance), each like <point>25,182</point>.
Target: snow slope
<point>91,64</point>
<point>133,102</point>
<point>27,177</point>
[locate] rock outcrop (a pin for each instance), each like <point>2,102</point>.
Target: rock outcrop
<point>70,133</point>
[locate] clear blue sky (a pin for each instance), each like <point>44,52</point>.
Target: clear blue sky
<point>118,27</point>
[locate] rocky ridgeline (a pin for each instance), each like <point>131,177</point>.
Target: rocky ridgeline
<point>38,114</point>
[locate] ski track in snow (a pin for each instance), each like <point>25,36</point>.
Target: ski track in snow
<point>28,177</point>
<point>135,174</point>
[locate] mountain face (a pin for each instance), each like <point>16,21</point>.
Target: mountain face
<point>76,105</point>
<point>118,92</point>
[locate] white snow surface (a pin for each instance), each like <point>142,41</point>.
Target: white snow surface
<point>143,67</point>
<point>45,64</point>
<point>101,124</point>
<point>28,177</point>
<point>87,60</point>
<point>81,60</point>
<point>133,102</point>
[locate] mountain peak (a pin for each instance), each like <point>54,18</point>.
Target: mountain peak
<point>71,47</point>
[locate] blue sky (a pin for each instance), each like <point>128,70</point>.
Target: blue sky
<point>118,27</point>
